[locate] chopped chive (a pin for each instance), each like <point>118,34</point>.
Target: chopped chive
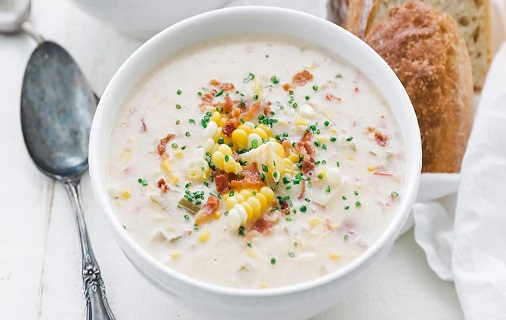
<point>191,121</point>
<point>394,194</point>
<point>307,97</point>
<point>317,143</point>
<point>333,139</point>
<point>355,192</point>
<point>227,158</point>
<point>255,97</point>
<point>178,122</point>
<point>349,138</point>
<point>174,145</point>
<point>262,176</point>
<point>327,189</point>
<point>326,123</point>
<point>288,219</point>
<point>337,164</point>
<point>291,254</point>
<point>179,92</point>
<point>274,80</point>
<point>295,105</point>
<point>187,133</point>
<point>344,198</point>
<point>315,87</point>
<point>346,207</point>
<point>265,168</point>
<point>143,182</point>
<point>273,261</point>
<point>249,244</point>
<point>221,141</point>
<point>219,93</point>
<point>178,106</point>
<point>254,144</point>
<point>357,204</point>
<point>324,146</point>
<point>241,231</point>
<point>346,236</point>
<point>339,75</point>
<point>187,217</point>
<point>303,209</point>
<point>320,176</point>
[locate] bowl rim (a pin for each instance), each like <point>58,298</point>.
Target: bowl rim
<point>412,170</point>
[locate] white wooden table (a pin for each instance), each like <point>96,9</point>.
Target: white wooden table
<point>39,251</point>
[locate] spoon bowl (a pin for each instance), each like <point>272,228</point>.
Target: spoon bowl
<point>57,108</point>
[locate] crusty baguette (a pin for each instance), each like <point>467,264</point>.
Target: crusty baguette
<point>472,16</point>
<point>426,50</point>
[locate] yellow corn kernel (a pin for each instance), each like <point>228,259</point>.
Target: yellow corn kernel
<point>246,193</point>
<point>322,138</point>
<point>175,254</point>
<point>178,153</point>
<point>175,179</point>
<point>265,128</point>
<point>262,199</point>
<point>251,253</point>
<point>166,165</point>
<point>260,132</point>
<point>225,149</point>
<point>217,215</point>
<point>240,138</point>
<point>334,256</point>
<point>223,122</point>
<point>229,166</point>
<point>371,169</point>
<point>204,236</point>
<point>249,210</point>
<point>239,197</point>
<point>313,222</point>
<point>126,194</point>
<point>231,202</point>
<point>278,149</point>
<point>268,193</point>
<point>301,121</point>
<point>245,128</point>
<point>218,159</point>
<point>216,117</point>
<point>293,157</point>
<point>219,134</point>
<point>262,285</point>
<point>255,204</point>
<point>350,158</point>
<point>333,130</point>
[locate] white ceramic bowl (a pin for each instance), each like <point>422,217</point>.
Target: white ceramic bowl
<point>293,302</point>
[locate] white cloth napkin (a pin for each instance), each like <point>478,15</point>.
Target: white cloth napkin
<point>479,246</point>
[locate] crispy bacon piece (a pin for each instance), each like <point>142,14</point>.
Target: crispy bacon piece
<point>227,129</point>
<point>252,110</point>
<point>162,185</point>
<point>330,97</point>
<point>250,178</point>
<point>263,225</point>
<point>287,87</point>
<point>302,78</point>
<point>163,143</point>
<point>234,117</point>
<point>225,86</point>
<point>221,181</point>
<point>267,109</point>
<point>206,212</point>
<point>381,139</point>
<point>382,171</point>
<point>228,105</point>
<point>207,98</point>
<point>287,146</point>
<point>305,147</point>
<point>144,127</point>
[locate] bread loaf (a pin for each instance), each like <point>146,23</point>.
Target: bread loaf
<point>472,16</point>
<point>426,50</point>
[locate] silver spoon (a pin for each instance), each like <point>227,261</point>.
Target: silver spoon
<point>57,108</point>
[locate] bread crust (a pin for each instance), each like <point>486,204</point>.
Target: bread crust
<point>426,50</point>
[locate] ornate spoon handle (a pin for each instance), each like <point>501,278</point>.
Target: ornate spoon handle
<point>97,307</point>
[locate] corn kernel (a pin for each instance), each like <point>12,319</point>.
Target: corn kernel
<point>249,210</point>
<point>262,199</point>
<point>350,158</point>
<point>278,149</point>
<point>334,256</point>
<point>262,285</point>
<point>204,236</point>
<point>246,193</point>
<point>293,157</point>
<point>256,206</point>
<point>217,215</point>
<point>218,159</point>
<point>231,202</point>
<point>223,122</point>
<point>268,193</point>
<point>178,153</point>
<point>126,194</point>
<point>175,254</point>
<point>240,138</point>
<point>251,253</point>
<point>333,130</point>
<point>175,179</point>
<point>260,132</point>
<point>245,128</point>
<point>216,117</point>
<point>371,169</point>
<point>265,128</point>
<point>239,197</point>
<point>313,222</point>
<point>166,165</point>
<point>225,149</point>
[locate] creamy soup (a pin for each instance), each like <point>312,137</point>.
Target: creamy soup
<point>255,162</point>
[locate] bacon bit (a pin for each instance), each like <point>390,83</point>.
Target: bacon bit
<point>163,143</point>
<point>328,224</point>
<point>267,109</point>
<point>163,185</point>
<point>370,129</point>
<point>250,178</point>
<point>227,129</point>
<point>225,86</point>
<point>302,188</point>
<point>330,97</point>
<point>206,213</point>
<point>302,78</point>
<point>236,156</point>
<point>144,127</point>
<point>287,87</point>
<point>228,105</point>
<point>357,90</point>
<point>381,139</point>
<point>208,98</point>
<point>305,147</point>
<point>287,146</point>
<point>263,225</point>
<point>234,117</point>
<point>306,137</point>
<point>251,111</point>
<point>221,182</point>
<point>382,171</point>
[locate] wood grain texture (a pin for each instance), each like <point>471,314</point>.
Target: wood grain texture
<point>39,250</point>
